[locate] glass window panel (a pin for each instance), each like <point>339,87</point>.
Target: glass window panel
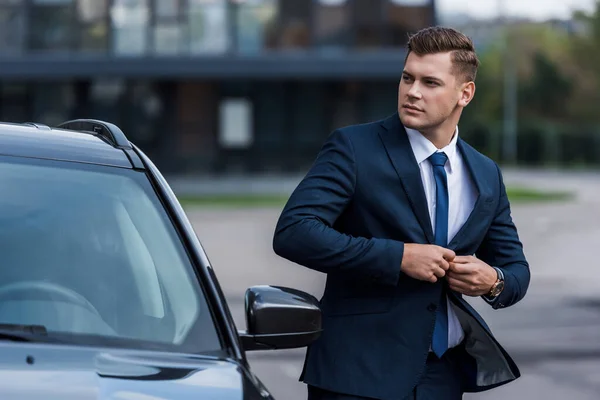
<point>168,39</point>
<point>294,24</point>
<point>167,8</point>
<point>92,10</point>
<point>404,17</point>
<point>411,3</point>
<point>255,25</point>
<point>15,102</point>
<point>379,99</point>
<point>332,24</point>
<point>368,16</point>
<point>235,123</point>
<point>11,29</point>
<point>105,96</point>
<point>53,2</point>
<point>106,90</point>
<point>146,111</point>
<point>130,26</point>
<point>208,25</point>
<point>52,102</point>
<point>196,105</point>
<point>52,26</point>
<point>94,37</point>
<point>345,103</point>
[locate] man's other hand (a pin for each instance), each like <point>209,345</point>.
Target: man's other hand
<point>426,262</point>
<point>470,276</point>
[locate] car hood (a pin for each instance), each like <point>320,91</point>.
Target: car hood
<point>41,371</point>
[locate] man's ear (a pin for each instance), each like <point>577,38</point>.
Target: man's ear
<point>466,94</point>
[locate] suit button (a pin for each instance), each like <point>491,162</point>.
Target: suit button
<point>431,307</point>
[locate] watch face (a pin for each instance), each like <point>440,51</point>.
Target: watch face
<point>498,288</point>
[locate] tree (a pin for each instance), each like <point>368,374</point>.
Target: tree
<point>543,65</point>
<point>547,92</point>
<point>584,65</point>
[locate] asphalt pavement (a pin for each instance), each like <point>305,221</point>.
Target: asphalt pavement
<point>553,334</point>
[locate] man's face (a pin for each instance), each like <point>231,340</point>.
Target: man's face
<point>429,93</point>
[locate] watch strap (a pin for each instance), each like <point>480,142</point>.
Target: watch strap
<point>500,273</point>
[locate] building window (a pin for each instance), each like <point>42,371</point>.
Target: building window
<point>255,25</point>
<point>15,102</point>
<point>104,97</point>
<point>368,21</point>
<point>52,102</point>
<point>272,24</point>
<point>168,38</point>
<point>11,29</point>
<point>294,24</point>
<point>404,17</point>
<point>169,27</point>
<point>130,20</point>
<point>52,25</point>
<point>167,9</point>
<point>92,16</point>
<point>331,24</point>
<point>94,37</point>
<point>208,26</point>
<point>145,112</point>
<point>236,125</point>
<point>196,126</point>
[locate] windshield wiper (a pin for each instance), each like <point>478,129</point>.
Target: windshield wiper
<point>22,333</point>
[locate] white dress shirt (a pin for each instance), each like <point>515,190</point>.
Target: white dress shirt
<point>461,195</point>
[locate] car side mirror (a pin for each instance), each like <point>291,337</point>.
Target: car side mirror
<point>280,318</point>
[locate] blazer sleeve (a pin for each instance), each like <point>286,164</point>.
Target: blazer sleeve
<point>502,248</point>
<point>305,234</point>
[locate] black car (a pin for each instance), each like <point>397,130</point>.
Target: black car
<point>105,290</point>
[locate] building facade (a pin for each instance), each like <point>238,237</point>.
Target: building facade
<point>208,86</point>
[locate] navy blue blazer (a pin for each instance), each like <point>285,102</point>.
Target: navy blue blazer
<point>350,216</point>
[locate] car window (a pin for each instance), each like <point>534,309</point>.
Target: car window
<point>89,252</point>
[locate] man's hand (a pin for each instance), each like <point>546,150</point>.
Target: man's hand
<point>426,262</point>
<point>470,276</point>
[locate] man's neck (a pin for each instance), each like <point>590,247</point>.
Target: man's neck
<point>439,138</point>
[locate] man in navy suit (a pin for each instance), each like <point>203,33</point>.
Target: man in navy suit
<point>405,218</point>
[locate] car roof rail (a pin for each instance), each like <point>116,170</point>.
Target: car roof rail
<point>37,125</point>
<point>112,133</point>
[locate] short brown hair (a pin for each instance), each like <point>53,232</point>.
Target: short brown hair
<point>442,40</point>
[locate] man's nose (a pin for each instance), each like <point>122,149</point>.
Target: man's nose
<point>414,91</point>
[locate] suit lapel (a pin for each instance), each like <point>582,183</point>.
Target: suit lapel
<point>397,145</point>
<point>398,148</point>
<point>477,170</point>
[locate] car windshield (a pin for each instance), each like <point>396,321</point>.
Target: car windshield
<point>89,253</point>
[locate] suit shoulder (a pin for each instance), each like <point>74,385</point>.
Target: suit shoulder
<point>360,131</point>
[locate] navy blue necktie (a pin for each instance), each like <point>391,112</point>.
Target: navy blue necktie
<point>439,343</point>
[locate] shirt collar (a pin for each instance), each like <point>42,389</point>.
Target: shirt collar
<point>423,148</point>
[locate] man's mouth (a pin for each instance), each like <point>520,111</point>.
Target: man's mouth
<point>411,107</point>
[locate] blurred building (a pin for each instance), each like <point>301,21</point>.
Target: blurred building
<point>208,86</point>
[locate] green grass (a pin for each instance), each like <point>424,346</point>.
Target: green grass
<point>515,194</point>
<point>526,195</point>
<point>234,201</point>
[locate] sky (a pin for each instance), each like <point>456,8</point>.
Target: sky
<point>534,9</point>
